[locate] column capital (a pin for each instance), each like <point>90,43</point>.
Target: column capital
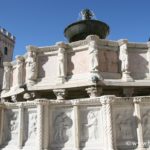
<point>107,99</point>
<point>137,100</point>
<point>62,45</point>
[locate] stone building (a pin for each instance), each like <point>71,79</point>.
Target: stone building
<point>88,94</point>
<point>7,43</point>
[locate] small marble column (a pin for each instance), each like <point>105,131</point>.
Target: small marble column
<point>39,126</point>
<point>106,101</point>
<point>46,127</point>
<point>124,60</point>
<point>94,91</point>
<point>76,127</point>
<point>21,126</point>
<point>137,114</point>
<point>1,125</point>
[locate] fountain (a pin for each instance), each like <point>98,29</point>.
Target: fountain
<point>87,26</point>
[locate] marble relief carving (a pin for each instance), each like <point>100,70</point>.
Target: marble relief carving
<point>30,128</point>
<point>62,123</point>
<point>89,126</point>
<point>146,124</point>
<point>11,125</point>
<point>124,126</point>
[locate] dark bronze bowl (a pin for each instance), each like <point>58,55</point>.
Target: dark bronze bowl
<point>81,29</point>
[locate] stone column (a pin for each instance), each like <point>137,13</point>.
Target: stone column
<point>39,126</point>
<point>1,124</point>
<point>124,60</point>
<point>62,62</point>
<point>137,114</point>
<point>94,91</point>
<point>107,116</point>
<point>46,127</point>
<point>76,127</point>
<point>21,126</point>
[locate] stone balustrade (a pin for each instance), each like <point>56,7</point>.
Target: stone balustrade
<point>101,123</point>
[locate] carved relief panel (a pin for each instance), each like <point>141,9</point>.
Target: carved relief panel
<point>91,129</point>
<point>61,128</point>
<point>108,61</point>
<point>11,124</point>
<point>125,126</point>
<point>145,113</point>
<point>30,131</point>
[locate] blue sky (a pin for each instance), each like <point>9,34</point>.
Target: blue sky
<point>42,22</point>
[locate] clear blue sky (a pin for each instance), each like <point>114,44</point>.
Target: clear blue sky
<point>42,22</point>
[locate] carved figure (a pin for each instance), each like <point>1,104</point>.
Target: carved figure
<point>62,123</point>
<point>19,68</point>
<point>123,127</point>
<point>124,58</point>
<point>93,51</point>
<point>31,66</point>
<point>146,124</point>
<point>61,62</point>
<point>6,78</point>
<point>92,125</point>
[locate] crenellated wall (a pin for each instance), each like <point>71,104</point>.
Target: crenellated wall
<point>101,123</point>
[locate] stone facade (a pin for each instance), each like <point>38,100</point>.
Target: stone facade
<point>82,95</point>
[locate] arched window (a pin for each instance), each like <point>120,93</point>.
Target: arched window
<point>5,50</point>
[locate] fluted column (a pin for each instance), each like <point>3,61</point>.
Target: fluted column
<point>76,127</point>
<point>21,126</point>
<point>137,114</point>
<point>39,126</point>
<point>107,115</point>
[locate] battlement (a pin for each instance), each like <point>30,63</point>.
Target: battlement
<point>8,34</point>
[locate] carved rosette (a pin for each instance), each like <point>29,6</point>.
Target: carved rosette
<point>106,102</point>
